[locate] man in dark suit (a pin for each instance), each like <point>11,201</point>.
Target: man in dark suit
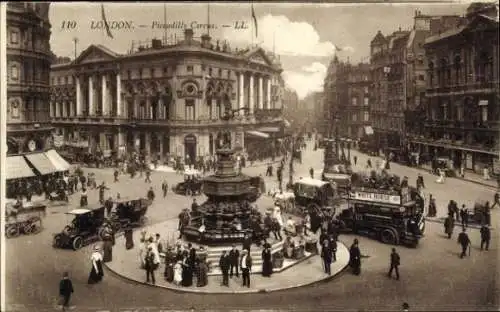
<point>395,260</point>
<point>224,267</point>
<point>485,236</point>
<point>464,241</point>
<point>247,243</point>
<point>234,256</point>
<point>326,254</point>
<point>192,256</point>
<point>246,267</point>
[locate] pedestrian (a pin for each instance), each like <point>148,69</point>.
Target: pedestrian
<point>65,290</point>
<point>395,261</point>
<point>449,225</point>
<point>116,173</point>
<point>406,307</point>
<point>333,245</point>
<point>432,207</point>
<point>149,265</point>
<point>246,267</point>
<point>164,188</point>
<point>464,241</point>
<point>464,216</point>
<point>202,276</point>
<point>326,255</point>
<point>148,176</point>
<point>355,158</point>
<point>234,256</point>
<point>485,236</point>
<point>267,264</point>
<point>109,206</point>
<point>355,257</point>
<point>151,194</point>
<point>247,243</point>
<point>129,238</point>
<point>224,264</point>
<point>83,198</point>
<point>96,272</point>
<point>102,189</point>
<point>487,213</point>
<point>311,172</point>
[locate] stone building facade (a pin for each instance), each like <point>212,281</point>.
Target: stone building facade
<point>167,99</point>
<point>28,68</point>
<point>463,110</point>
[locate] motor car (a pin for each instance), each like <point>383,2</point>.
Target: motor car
<point>192,177</point>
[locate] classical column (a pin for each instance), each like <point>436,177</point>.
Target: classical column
<point>118,95</point>
<point>159,135</point>
<point>64,109</point>
<point>241,90</point>
<point>137,140</point>
<point>78,97</point>
<point>148,108</point>
<point>251,98</point>
<point>104,95</point>
<point>58,112</point>
<point>159,108</point>
<point>261,93</point>
<point>268,93</point>
<point>91,97</point>
<point>136,106</point>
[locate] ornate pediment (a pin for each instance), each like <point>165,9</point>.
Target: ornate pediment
<point>95,53</point>
<point>259,56</point>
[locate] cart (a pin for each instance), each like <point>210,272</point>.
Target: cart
<point>24,220</point>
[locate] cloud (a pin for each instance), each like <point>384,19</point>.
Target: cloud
<point>284,36</point>
<point>306,80</point>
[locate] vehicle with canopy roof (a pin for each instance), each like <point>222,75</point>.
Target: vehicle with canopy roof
<point>394,217</point>
<point>23,219</point>
<point>129,212</point>
<point>85,228</point>
<point>192,181</point>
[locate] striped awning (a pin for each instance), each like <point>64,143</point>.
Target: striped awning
<point>17,168</point>
<point>41,163</point>
<point>57,160</point>
<point>258,134</point>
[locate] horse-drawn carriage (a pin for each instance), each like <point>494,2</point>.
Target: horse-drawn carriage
<point>26,219</point>
<point>192,183</point>
<point>85,227</point>
<point>129,212</point>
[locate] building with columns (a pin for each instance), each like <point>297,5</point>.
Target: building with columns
<point>167,98</point>
<point>28,67</point>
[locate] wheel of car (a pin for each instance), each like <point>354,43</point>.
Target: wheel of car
<point>77,243</point>
<point>57,241</point>
<point>34,226</point>
<point>12,231</point>
<point>388,236</point>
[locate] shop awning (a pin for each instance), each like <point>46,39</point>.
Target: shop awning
<point>41,163</point>
<point>483,103</point>
<point>258,134</point>
<point>368,130</point>
<point>17,168</point>
<point>57,160</point>
<point>269,129</point>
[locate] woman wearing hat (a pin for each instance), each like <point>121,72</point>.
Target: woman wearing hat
<point>96,273</point>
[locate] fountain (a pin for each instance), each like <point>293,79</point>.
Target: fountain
<point>227,215</point>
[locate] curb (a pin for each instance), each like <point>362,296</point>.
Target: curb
<point>469,226</point>
<point>251,291</point>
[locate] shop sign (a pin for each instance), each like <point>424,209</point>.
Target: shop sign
<point>378,198</point>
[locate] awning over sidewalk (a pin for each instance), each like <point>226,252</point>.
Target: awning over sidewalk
<point>41,163</point>
<point>57,160</point>
<point>368,130</point>
<point>269,129</point>
<point>258,134</point>
<point>17,168</point>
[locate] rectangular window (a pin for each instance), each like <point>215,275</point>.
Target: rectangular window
<point>190,110</point>
<point>129,74</point>
<point>14,37</point>
<point>66,80</point>
<point>220,72</point>
<point>366,116</point>
<point>366,90</point>
<point>366,101</point>
<point>354,117</point>
<point>152,73</point>
<point>210,71</point>
<point>354,101</point>
<point>14,74</point>
<point>190,68</point>
<point>421,77</point>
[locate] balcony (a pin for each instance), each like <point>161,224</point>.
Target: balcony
<point>30,126</point>
<point>489,125</point>
<point>471,87</point>
<point>460,145</point>
<point>268,114</point>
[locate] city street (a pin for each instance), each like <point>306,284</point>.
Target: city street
<point>432,275</point>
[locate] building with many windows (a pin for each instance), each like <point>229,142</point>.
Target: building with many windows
<point>167,98</point>
<point>347,100</point>
<point>398,74</point>
<point>28,67</point>
<point>463,110</point>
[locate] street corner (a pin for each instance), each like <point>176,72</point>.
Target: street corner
<point>293,274</point>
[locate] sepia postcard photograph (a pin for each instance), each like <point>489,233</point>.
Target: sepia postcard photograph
<point>250,156</point>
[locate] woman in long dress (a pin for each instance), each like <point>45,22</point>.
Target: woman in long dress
<point>267,264</point>
<point>83,198</point>
<point>187,274</point>
<point>202,278</point>
<point>178,273</point>
<point>96,273</point>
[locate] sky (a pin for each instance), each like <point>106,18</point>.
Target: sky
<point>305,36</point>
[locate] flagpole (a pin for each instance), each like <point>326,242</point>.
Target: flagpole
<point>208,17</point>
<point>253,26</point>
<point>165,23</point>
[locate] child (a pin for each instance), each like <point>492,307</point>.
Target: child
<point>65,290</point>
